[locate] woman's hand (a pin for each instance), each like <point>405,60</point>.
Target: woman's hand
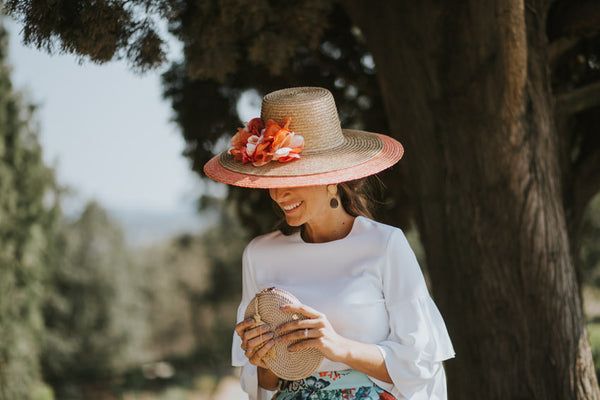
<point>256,342</point>
<point>317,332</point>
<point>314,331</point>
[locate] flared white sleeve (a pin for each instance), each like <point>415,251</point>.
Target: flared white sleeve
<point>418,341</point>
<point>248,373</point>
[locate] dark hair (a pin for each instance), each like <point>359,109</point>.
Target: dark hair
<point>358,197</point>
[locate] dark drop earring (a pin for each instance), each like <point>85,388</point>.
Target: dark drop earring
<point>332,189</point>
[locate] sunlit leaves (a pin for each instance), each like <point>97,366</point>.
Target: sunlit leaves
<point>98,31</point>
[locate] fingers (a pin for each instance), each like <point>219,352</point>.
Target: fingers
<point>300,335</point>
<point>242,326</point>
<point>300,325</point>
<point>259,340</point>
<point>259,332</point>
<point>314,319</point>
<point>305,310</point>
<point>256,355</point>
<point>302,339</point>
<point>304,344</point>
<point>255,337</point>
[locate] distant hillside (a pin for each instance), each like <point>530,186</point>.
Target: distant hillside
<point>143,228</point>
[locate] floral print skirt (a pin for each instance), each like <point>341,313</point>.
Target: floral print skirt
<point>332,385</point>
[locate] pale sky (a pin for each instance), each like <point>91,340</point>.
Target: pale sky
<point>106,130</point>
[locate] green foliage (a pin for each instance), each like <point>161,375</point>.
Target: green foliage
<point>173,276</point>
<point>589,251</point>
<point>27,230</point>
<point>192,291</point>
<point>593,329</point>
<point>206,108</point>
<point>92,312</point>
<point>98,30</point>
<point>241,32</point>
<point>229,47</point>
<point>42,392</point>
<point>237,45</point>
<point>262,32</point>
<point>108,310</point>
<point>589,267</point>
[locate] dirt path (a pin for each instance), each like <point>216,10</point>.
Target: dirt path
<point>228,389</point>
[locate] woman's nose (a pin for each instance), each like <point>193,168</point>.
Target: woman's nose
<point>277,193</point>
<point>274,193</point>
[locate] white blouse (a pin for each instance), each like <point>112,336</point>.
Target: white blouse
<point>370,287</point>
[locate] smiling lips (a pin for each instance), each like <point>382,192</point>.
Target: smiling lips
<point>291,207</point>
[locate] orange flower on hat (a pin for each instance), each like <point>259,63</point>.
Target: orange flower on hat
<point>260,144</point>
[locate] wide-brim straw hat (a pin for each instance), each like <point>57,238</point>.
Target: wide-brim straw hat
<point>330,154</point>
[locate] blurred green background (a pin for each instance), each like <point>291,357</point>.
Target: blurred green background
<point>83,316</point>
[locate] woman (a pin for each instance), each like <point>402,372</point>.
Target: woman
<point>364,299</point>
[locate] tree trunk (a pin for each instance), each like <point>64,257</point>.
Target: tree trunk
<point>481,149</point>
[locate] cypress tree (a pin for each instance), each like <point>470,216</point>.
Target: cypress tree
<point>27,221</point>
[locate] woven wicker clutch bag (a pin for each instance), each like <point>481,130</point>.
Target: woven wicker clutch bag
<point>265,308</point>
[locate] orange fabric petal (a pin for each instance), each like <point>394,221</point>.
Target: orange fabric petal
<point>271,130</point>
<point>273,136</point>
<point>285,123</point>
<point>280,138</point>
<point>289,157</point>
<point>261,158</point>
<point>240,138</point>
<point>236,153</point>
<point>255,126</point>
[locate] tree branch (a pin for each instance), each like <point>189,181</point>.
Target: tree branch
<point>579,99</point>
<point>574,18</point>
<point>560,46</point>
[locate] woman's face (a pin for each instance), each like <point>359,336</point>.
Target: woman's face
<point>302,205</point>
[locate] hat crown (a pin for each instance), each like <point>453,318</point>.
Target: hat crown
<point>313,115</point>
<point>330,154</point>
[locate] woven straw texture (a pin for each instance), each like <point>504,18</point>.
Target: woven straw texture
<point>313,113</point>
<point>285,364</point>
<point>330,154</point>
<point>391,153</point>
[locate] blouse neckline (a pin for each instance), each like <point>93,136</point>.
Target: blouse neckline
<point>298,235</point>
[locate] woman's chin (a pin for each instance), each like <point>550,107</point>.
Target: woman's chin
<point>293,222</point>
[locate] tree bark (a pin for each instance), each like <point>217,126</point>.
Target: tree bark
<point>481,147</point>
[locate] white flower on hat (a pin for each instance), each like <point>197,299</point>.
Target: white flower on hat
<point>251,145</point>
<point>282,152</point>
